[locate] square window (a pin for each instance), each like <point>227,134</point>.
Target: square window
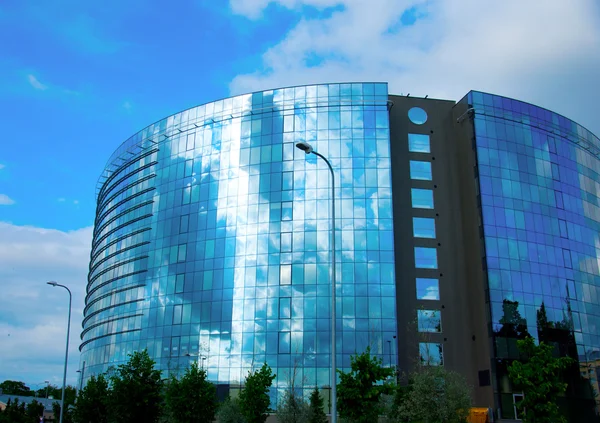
<point>423,227</point>
<point>422,198</point>
<point>429,320</point>
<point>420,170</point>
<point>428,289</point>
<point>426,258</point>
<point>431,354</point>
<point>418,143</point>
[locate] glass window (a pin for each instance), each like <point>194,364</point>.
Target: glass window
<point>179,283</point>
<point>417,115</point>
<point>422,198</point>
<point>420,170</point>
<point>429,320</point>
<point>425,258</point>
<point>428,289</point>
<point>423,227</point>
<point>431,354</point>
<point>184,223</point>
<point>419,143</point>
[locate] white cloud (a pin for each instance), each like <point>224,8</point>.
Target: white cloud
<point>61,200</point>
<point>75,201</point>
<point>35,83</point>
<point>546,55</point>
<point>33,315</point>
<point>5,200</point>
<point>254,8</point>
<point>2,166</point>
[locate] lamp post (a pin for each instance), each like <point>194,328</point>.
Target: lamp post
<point>62,407</point>
<point>307,148</point>
<point>47,382</point>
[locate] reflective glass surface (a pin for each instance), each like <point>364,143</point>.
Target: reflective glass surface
<point>417,115</point>
<point>431,354</point>
<point>428,289</point>
<point>420,170</point>
<point>429,320</point>
<point>425,258</point>
<point>422,198</point>
<point>423,227</point>
<point>540,198</point>
<point>212,237</point>
<point>419,143</point>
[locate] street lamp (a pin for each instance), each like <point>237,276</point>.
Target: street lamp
<point>62,407</point>
<point>307,148</point>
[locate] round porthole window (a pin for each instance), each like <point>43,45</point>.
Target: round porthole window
<point>417,115</point>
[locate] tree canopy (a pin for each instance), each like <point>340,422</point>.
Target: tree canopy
<point>135,394</point>
<point>360,390</point>
<point>538,375</point>
<point>254,398</point>
<point>191,399</point>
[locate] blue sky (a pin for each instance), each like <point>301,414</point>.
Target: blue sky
<point>79,77</point>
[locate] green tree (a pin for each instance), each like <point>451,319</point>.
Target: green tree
<point>192,399</point>
<point>360,390</point>
<point>316,414</point>
<point>15,387</point>
<point>254,398</point>
<point>136,391</point>
<point>55,392</point>
<point>14,413</point>
<point>538,375</point>
<point>92,402</point>
<point>34,411</point>
<point>434,395</point>
<point>229,411</point>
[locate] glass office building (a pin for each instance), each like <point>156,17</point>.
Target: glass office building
<point>540,201</point>
<point>461,227</point>
<point>212,237</point>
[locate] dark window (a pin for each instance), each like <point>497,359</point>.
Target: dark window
<point>484,378</point>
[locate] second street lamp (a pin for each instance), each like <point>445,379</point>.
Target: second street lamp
<point>62,407</point>
<point>307,148</point>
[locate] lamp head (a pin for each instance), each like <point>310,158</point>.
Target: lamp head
<point>52,283</point>
<point>306,147</point>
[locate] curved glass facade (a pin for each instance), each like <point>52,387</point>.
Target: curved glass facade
<point>540,201</point>
<point>211,237</point>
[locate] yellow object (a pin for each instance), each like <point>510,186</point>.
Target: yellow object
<point>478,415</point>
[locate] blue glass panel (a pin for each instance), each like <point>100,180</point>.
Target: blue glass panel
<point>425,258</point>
<point>417,115</point>
<point>429,320</point>
<point>420,170</point>
<point>428,289</point>
<point>419,143</point>
<point>431,354</point>
<point>423,227</point>
<point>422,198</point>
